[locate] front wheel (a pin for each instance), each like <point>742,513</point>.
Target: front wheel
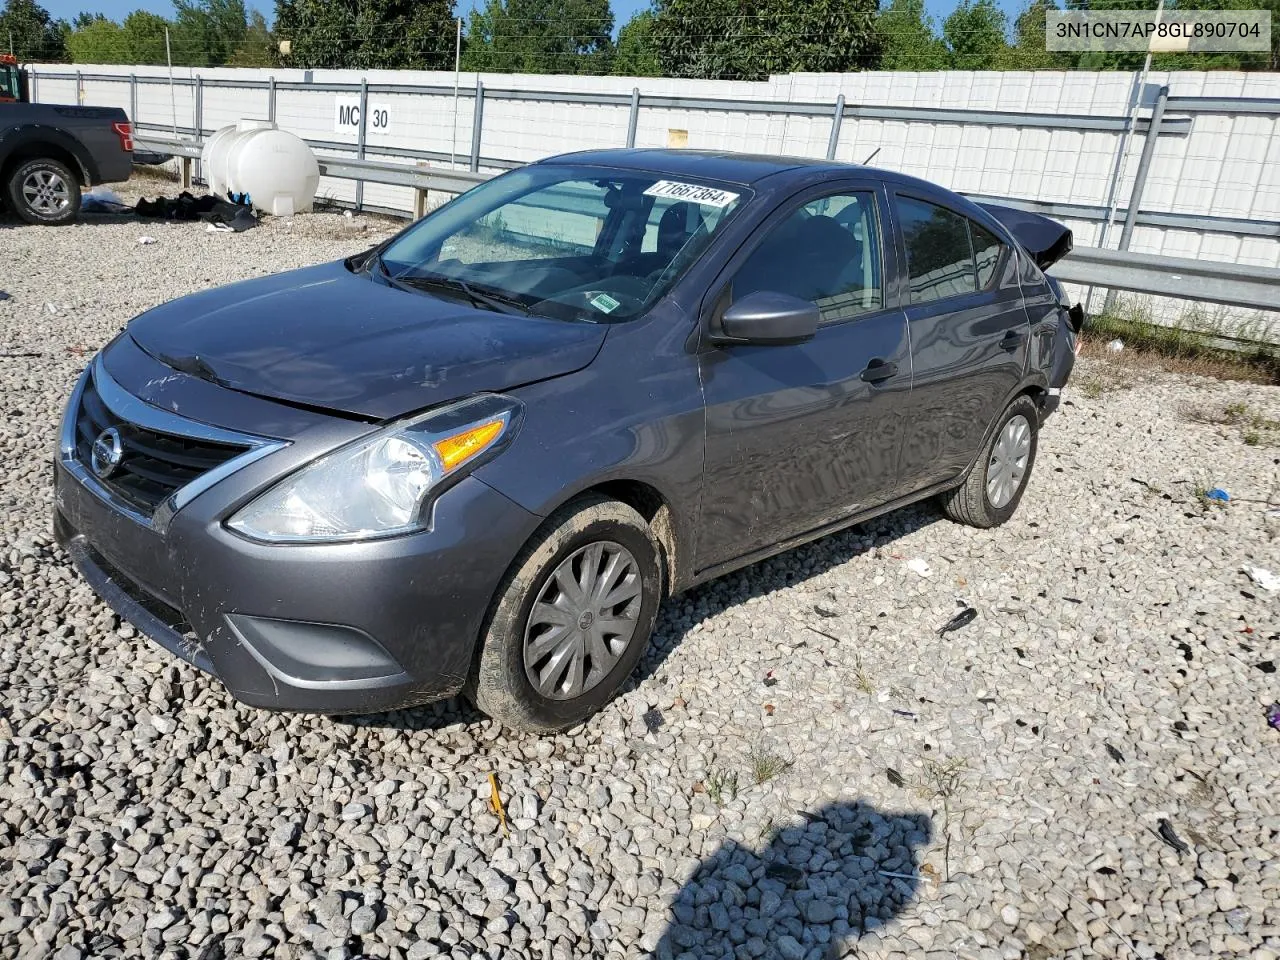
<point>994,487</point>
<point>44,191</point>
<point>572,617</point>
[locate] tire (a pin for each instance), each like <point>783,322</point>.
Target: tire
<point>971,502</point>
<point>44,191</point>
<point>501,686</point>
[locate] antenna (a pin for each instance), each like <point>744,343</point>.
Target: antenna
<point>872,157</point>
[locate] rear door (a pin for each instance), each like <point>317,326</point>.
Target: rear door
<point>800,435</point>
<point>969,335</point>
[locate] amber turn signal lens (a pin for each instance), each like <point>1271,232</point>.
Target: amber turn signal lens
<point>461,447</point>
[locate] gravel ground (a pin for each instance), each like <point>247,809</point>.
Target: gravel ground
<point>803,767</point>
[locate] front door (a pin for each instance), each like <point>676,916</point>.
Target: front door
<point>801,435</point>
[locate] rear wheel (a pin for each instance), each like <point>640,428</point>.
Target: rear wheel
<point>571,619</point>
<point>44,191</point>
<point>991,493</point>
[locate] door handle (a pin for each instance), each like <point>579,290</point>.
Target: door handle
<point>878,370</point>
<point>1012,341</point>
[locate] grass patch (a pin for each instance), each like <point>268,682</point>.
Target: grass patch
<point>1256,429</point>
<point>1199,343</point>
<point>765,765</point>
<point>722,785</point>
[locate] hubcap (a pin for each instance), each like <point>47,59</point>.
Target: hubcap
<point>582,621</point>
<point>46,192</point>
<point>1008,465</point>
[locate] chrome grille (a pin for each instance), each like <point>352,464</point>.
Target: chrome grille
<point>154,464</point>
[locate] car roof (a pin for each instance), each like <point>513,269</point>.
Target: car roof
<point>742,168</point>
<point>750,168</point>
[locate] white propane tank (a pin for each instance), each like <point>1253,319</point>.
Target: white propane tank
<point>275,168</point>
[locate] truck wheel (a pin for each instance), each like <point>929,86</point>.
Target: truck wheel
<point>44,191</point>
<point>571,619</point>
<point>991,492</point>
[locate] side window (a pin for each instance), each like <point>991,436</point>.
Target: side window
<point>828,251</point>
<point>939,258</point>
<point>986,252</point>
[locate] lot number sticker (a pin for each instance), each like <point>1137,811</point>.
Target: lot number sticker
<point>346,116</point>
<point>693,192</point>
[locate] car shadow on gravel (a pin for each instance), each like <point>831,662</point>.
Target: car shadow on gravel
<point>680,614</point>
<point>809,894</point>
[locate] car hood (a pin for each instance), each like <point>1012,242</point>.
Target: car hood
<point>325,337</point>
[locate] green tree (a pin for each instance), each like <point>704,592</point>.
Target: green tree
<point>206,33</point>
<point>97,40</point>
<point>370,35</point>
<point>1028,50</point>
<point>143,36</point>
<point>258,49</point>
<point>635,55</point>
<point>84,18</point>
<point>540,36</point>
<point>908,38</point>
<point>975,34</point>
<point>36,36</point>
<point>751,39</point>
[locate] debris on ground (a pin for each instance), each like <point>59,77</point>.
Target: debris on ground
<point>894,777</point>
<point>1217,493</point>
<point>1262,577</point>
<point>229,214</point>
<point>102,200</point>
<point>959,621</point>
<point>146,241</point>
<point>1167,834</point>
<point>919,566</point>
<point>5,296</point>
<point>495,802</point>
<point>1116,755</point>
<point>1273,716</point>
<point>1115,346</point>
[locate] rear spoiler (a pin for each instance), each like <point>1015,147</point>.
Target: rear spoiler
<point>1046,240</point>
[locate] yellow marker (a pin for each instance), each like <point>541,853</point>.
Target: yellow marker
<point>495,801</point>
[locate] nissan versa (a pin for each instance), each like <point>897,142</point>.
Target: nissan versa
<point>477,457</point>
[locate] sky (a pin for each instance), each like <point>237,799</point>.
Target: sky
<point>622,9</point>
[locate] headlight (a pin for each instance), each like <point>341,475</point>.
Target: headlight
<point>378,485</point>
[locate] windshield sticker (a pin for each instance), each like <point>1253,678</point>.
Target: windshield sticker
<point>693,192</point>
<point>605,303</point>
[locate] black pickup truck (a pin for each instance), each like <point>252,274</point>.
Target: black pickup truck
<point>48,151</point>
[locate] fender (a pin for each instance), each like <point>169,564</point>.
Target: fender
<point>19,136</point>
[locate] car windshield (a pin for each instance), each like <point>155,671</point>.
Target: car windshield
<point>570,242</point>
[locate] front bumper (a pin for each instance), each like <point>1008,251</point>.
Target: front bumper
<point>327,628</point>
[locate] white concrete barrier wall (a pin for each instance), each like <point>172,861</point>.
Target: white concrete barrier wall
<point>1228,165</point>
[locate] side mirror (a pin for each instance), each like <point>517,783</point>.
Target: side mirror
<point>766,317</point>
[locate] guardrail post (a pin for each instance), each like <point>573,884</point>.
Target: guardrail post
<point>477,122</point>
<point>837,118</point>
<point>79,89</point>
<point>133,100</point>
<point>634,119</point>
<point>364,105</point>
<point>1140,180</point>
<point>199,120</point>
<point>1144,167</point>
<point>271,99</point>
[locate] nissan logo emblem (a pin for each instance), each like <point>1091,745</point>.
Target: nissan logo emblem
<point>106,453</point>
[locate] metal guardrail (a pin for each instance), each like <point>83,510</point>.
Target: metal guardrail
<point>1209,281</point>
